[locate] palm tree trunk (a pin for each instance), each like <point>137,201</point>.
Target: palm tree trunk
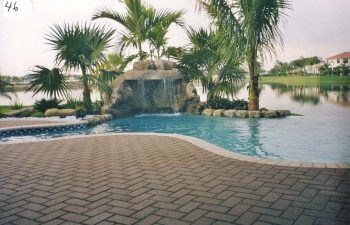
<point>253,104</point>
<point>158,54</point>
<point>140,49</point>
<point>86,91</point>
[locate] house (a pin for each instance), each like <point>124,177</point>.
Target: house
<point>338,60</point>
<point>313,69</point>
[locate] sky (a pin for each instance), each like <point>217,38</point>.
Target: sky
<point>314,27</point>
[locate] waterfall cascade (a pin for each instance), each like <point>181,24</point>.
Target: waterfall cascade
<point>161,89</point>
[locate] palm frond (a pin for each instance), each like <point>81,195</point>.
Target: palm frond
<point>49,81</point>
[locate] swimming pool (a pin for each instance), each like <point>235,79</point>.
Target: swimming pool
<point>295,138</point>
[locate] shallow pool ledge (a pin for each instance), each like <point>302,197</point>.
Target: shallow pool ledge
<point>209,147</point>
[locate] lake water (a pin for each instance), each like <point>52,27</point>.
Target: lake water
<point>324,100</point>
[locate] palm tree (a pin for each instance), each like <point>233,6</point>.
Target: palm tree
<point>134,21</point>
<point>107,71</point>
<point>50,82</point>
<point>205,62</point>
<point>80,47</point>
<point>160,26</point>
<point>173,52</point>
<point>142,23</point>
<point>253,26</point>
<point>5,87</point>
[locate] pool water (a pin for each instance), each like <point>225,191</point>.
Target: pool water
<point>295,138</point>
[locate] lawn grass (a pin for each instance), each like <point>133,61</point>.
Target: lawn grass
<point>5,109</point>
<point>311,80</point>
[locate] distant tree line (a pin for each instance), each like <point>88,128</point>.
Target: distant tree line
<point>301,67</point>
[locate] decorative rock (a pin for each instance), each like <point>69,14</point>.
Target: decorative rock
<point>270,114</point>
<point>218,112</point>
<point>158,64</point>
<point>156,89</point>
<point>99,119</point>
<point>254,114</point>
<point>242,114</point>
<point>230,113</point>
<point>283,113</point>
<point>207,112</point>
<point>140,65</point>
<point>59,112</point>
<point>18,112</point>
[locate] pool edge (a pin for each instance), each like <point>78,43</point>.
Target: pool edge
<point>208,147</point>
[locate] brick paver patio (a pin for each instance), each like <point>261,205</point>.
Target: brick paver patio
<point>160,180</point>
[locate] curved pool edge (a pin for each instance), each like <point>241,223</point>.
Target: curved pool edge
<point>42,126</point>
<point>208,147</point>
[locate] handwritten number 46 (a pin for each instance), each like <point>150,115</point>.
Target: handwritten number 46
<point>9,6</point>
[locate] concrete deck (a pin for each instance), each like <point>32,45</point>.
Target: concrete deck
<point>148,179</point>
<point>21,123</point>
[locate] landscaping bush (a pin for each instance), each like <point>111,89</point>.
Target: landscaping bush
<point>96,107</point>
<point>224,103</point>
<point>25,114</point>
<point>44,104</point>
<point>38,114</point>
<point>73,104</point>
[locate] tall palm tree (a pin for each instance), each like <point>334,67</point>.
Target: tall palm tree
<point>205,62</point>
<point>139,21</point>
<point>253,26</point>
<point>80,47</point>
<point>5,87</point>
<point>51,82</point>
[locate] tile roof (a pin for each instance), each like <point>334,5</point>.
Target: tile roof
<point>343,55</point>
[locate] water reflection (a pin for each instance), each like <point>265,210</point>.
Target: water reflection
<point>307,94</point>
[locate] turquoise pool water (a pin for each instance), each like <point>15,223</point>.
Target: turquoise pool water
<point>295,138</point>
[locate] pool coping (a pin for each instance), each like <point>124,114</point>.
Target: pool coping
<point>43,126</point>
<point>206,146</point>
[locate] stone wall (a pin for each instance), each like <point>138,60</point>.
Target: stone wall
<point>246,113</point>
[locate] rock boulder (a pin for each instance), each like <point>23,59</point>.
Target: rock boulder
<point>60,112</point>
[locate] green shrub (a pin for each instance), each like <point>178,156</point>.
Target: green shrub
<point>224,103</point>
<point>96,107</point>
<point>44,104</point>
<point>80,112</point>
<point>73,104</point>
<point>25,114</point>
<point>38,114</point>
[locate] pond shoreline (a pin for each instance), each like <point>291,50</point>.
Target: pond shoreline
<point>306,80</point>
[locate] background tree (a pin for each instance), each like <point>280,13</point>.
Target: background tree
<point>205,62</point>
<point>81,47</point>
<point>281,68</point>
<point>325,69</point>
<point>50,82</point>
<point>253,26</point>
<point>5,87</point>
